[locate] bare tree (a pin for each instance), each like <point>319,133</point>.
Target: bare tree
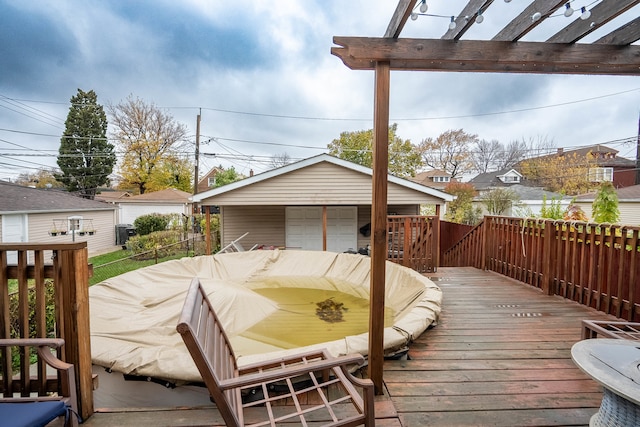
<point>511,154</point>
<point>279,160</point>
<point>493,155</point>
<point>486,155</point>
<point>450,152</point>
<point>538,146</point>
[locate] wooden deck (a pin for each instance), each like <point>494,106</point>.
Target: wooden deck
<point>500,356</point>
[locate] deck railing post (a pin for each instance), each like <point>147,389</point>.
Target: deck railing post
<point>435,246</point>
<point>483,248</point>
<point>74,277</point>
<point>407,249</point>
<point>548,246</point>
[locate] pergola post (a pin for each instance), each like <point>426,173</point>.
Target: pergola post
<point>379,223</point>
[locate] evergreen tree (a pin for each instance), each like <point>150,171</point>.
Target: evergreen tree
<point>85,156</point>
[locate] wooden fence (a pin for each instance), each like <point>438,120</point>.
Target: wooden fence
<point>414,241</point>
<point>597,265</point>
<point>33,266</point>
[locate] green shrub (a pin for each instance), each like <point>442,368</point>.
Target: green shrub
<point>147,224</point>
<point>153,244</point>
<point>553,210</point>
<point>50,318</point>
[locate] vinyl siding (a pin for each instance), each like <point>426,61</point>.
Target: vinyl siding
<point>103,222</point>
<point>319,184</point>
<point>266,224</point>
<point>130,211</point>
<point>629,212</point>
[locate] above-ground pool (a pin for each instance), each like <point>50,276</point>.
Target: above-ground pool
<point>270,302</point>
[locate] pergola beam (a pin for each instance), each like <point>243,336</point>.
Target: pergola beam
<point>627,34</point>
<point>399,18</point>
<point>467,18</point>
<point>523,23</point>
<point>362,53</point>
<point>600,15</point>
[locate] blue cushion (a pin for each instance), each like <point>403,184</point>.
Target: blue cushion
<point>31,414</point>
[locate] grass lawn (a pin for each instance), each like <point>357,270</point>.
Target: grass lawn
<point>115,263</point>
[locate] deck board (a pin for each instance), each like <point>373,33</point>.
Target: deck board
<point>500,356</point>
<point>484,364</point>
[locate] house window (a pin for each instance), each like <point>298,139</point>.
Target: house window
<point>441,179</point>
<point>600,174</point>
<point>510,178</point>
<point>211,181</point>
<point>74,223</point>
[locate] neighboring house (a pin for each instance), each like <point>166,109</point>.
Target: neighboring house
<point>628,204</point>
<point>498,179</point>
<point>112,196</point>
<point>35,215</point>
<point>609,167</point>
<point>531,201</point>
<point>438,179</point>
<point>285,207</point>
<point>168,201</point>
<point>209,180</point>
<point>531,198</point>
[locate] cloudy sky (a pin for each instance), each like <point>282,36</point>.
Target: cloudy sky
<point>262,77</point>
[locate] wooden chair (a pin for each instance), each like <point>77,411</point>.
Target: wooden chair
<point>610,329</point>
<point>29,400</point>
<point>305,388</point>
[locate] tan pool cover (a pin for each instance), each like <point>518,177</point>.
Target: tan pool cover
<point>134,315</point>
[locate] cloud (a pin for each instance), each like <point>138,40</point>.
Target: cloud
<point>32,45</point>
<point>263,78</point>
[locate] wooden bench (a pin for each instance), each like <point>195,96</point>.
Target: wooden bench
<point>306,388</point>
<point>29,400</point>
<point>607,329</point>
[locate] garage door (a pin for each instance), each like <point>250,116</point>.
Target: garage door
<point>304,228</point>
<point>14,229</point>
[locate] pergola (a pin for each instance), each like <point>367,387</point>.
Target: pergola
<point>612,54</point>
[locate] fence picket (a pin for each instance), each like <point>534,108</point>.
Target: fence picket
<point>592,264</point>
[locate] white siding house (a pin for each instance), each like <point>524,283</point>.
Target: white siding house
<point>168,201</point>
<point>287,206</point>
<point>53,216</point>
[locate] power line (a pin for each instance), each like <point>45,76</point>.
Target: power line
<point>32,110</point>
<point>343,119</point>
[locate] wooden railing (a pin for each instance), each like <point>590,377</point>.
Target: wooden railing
<point>597,265</point>
<point>414,241</point>
<point>33,268</point>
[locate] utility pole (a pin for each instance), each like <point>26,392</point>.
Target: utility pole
<point>196,177</point>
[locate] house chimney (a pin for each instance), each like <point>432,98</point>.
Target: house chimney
<point>560,151</point>
<point>250,172</point>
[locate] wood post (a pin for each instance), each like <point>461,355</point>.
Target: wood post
<point>208,229</point>
<point>435,247</point>
<point>73,283</point>
<point>324,228</point>
<point>484,263</point>
<point>379,224</point>
<point>547,246</point>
